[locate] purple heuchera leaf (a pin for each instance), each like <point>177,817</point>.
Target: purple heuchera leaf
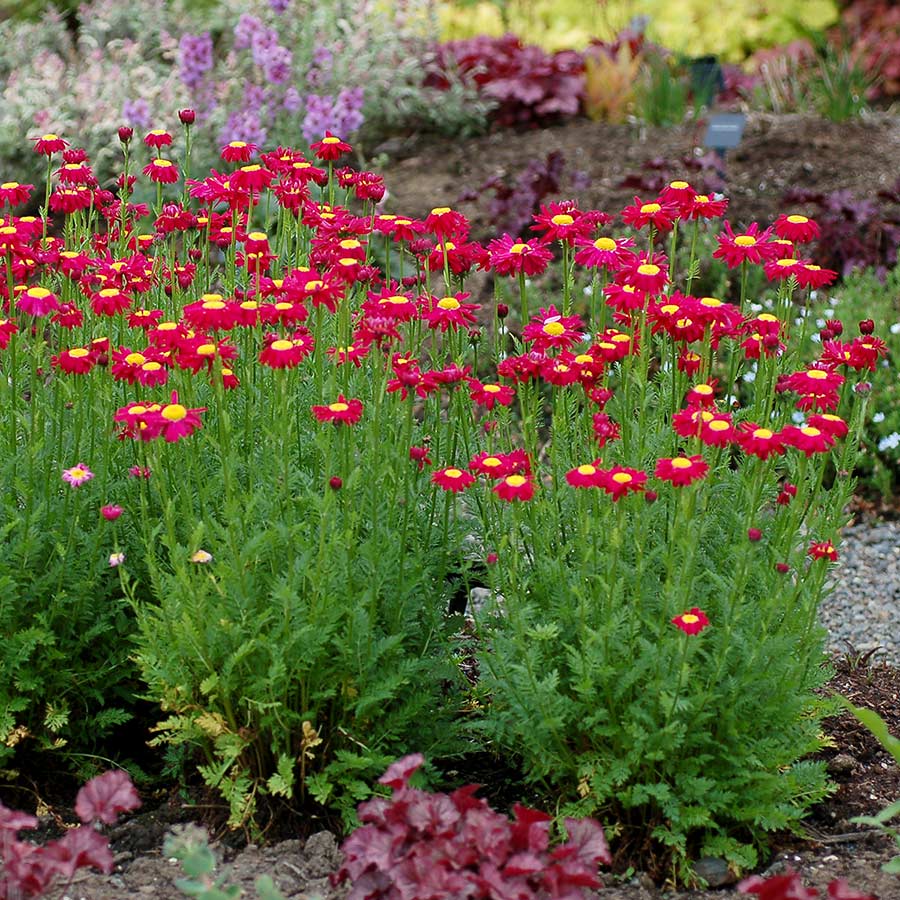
<point>13,820</point>
<point>105,796</point>
<point>398,773</point>
<point>422,846</point>
<point>78,848</point>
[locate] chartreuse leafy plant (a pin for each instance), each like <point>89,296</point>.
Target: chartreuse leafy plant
<point>304,457</point>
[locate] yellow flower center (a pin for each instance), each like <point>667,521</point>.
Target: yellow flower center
<point>338,407</point>
<point>282,345</point>
<point>701,198</point>
<point>622,478</point>
<point>162,163</point>
<point>797,220</point>
<point>135,359</point>
<point>349,244</point>
<point>151,366</point>
<point>50,137</point>
<point>554,329</point>
<point>681,462</point>
<point>648,269</point>
<point>678,185</point>
<point>767,317</point>
<point>669,308</point>
<point>605,243</point>
<point>348,261</point>
<point>253,168</point>
<point>587,470</point>
<point>448,303</point>
<point>38,293</point>
<point>562,219</point>
<point>763,434</point>
<point>703,389</point>
<point>167,326</point>
<point>440,210</point>
<point>745,240</point>
<point>719,425</point>
<point>9,185</point>
<point>809,431</point>
<point>492,388</point>
<point>690,619</point>
<point>817,374</point>
<point>331,140</point>
<point>452,473</point>
<point>711,302</point>
<point>174,412</point>
<point>238,145</point>
<point>516,480</point>
<point>785,263</point>
<point>650,208</point>
<point>620,338</point>
<point>79,353</point>
<point>491,462</point>
<point>206,350</point>
<point>518,248</point>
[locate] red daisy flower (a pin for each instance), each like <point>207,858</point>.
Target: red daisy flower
<point>177,421</point>
<point>515,487</point>
<point>659,214</point>
<point>13,194</point>
<point>452,479</point>
<point>7,329</point>
<point>705,207</point>
<point>624,298</point>
<point>509,256</point>
<point>238,151</point>
<point>451,312</point>
<point>681,470</point>
<point>48,144</point>
<point>330,148</point>
<point>37,301</point>
<point>822,550</point>
<point>282,354</point>
<point>588,475</point>
<point>605,429</point>
<point>621,480</point>
<point>444,223</point>
<point>488,395</point>
<point>717,431</point>
<point>809,275</point>
<point>498,465</point>
<point>812,381</point>
<point>157,138</point>
<point>342,411</point>
<point>797,229</point>
<point>648,274</point>
<point>109,302</point>
<point>550,329</point>
<point>603,252</point>
<point>750,246</point>
<point>691,622</point>
<point>758,441</point>
<point>76,361</point>
<point>807,438</point>
<point>832,425</point>
<point>161,171</point>
<point>561,222</point>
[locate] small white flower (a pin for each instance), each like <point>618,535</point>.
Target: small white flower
<point>201,556</point>
<point>878,417</point>
<point>895,328</point>
<point>797,417</point>
<point>890,442</point>
<point>116,559</point>
<point>749,377</point>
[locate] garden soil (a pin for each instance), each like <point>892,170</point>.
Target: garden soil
<point>776,154</point>
<point>865,776</point>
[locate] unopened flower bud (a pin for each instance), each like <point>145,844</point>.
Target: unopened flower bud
<point>335,483</point>
<point>863,387</point>
<point>826,334</point>
<point>651,496</point>
<point>187,116</point>
<point>125,134</point>
<point>783,568</point>
<point>754,534</point>
<point>502,310</point>
<point>492,559</point>
<point>867,326</point>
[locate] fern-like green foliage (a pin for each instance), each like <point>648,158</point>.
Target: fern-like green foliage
<point>307,659</point>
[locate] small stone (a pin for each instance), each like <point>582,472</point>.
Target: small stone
<point>842,764</point>
<point>715,872</point>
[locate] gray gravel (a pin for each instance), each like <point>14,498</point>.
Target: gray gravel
<point>864,606</point>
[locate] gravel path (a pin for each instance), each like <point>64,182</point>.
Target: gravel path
<point>864,607</point>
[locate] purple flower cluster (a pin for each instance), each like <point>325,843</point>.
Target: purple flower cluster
<point>246,124</point>
<point>280,6</point>
<point>195,58</point>
<point>342,116</point>
<point>275,60</point>
<point>319,72</point>
<point>136,113</point>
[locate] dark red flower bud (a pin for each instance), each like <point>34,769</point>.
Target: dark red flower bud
<point>502,310</point>
<point>754,534</point>
<point>867,326</point>
<point>186,116</point>
<point>863,387</point>
<point>492,558</point>
<point>125,134</point>
<point>826,334</point>
<point>651,496</point>
<point>195,253</point>
<point>783,568</point>
<point>836,325</point>
<point>335,483</point>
